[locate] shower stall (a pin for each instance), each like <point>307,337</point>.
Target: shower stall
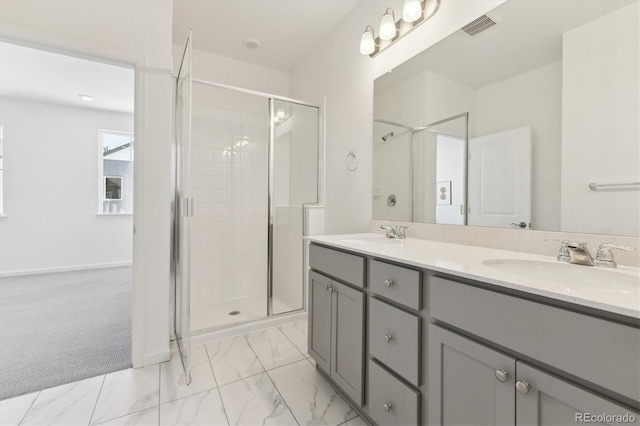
<point>413,164</point>
<point>246,165</point>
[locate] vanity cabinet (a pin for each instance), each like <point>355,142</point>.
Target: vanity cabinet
<point>551,401</point>
<point>447,350</point>
<point>471,383</point>
<point>336,332</point>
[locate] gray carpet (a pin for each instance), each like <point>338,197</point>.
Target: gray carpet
<point>63,327</point>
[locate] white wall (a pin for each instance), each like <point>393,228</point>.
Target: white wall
<point>51,189</point>
<point>133,32</point>
<point>337,70</point>
<point>232,72</point>
<point>604,119</point>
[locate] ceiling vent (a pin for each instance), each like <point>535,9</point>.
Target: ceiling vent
<point>478,26</point>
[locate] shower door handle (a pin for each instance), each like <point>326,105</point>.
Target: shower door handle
<point>187,207</point>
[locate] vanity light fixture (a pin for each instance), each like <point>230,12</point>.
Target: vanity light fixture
<point>388,28</point>
<point>368,41</point>
<point>414,13</point>
<point>412,10</point>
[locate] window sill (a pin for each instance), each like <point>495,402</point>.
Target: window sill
<point>114,214</point>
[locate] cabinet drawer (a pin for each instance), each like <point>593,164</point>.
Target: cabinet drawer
<point>396,283</point>
<point>394,339</point>
<point>391,402</point>
<point>344,266</point>
<point>596,350</point>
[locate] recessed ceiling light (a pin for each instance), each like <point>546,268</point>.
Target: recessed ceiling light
<point>86,97</point>
<point>251,43</point>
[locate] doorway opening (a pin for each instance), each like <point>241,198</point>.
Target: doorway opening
<point>66,226</point>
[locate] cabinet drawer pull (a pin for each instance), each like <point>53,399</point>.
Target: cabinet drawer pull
<point>522,386</point>
<point>326,287</point>
<point>387,338</point>
<point>502,375</point>
<point>387,406</point>
<point>388,283</point>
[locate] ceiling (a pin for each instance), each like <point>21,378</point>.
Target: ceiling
<point>528,35</point>
<point>43,76</point>
<point>287,29</point>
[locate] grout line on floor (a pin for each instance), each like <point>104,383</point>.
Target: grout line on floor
<point>217,386</point>
<point>124,415</point>
<point>285,335</point>
<point>93,412</point>
<point>272,382</point>
<point>29,409</point>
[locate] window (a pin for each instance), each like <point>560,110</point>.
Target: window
<point>116,173</point>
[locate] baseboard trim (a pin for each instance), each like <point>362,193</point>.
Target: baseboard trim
<point>155,358</point>
<point>64,269</point>
<point>248,327</point>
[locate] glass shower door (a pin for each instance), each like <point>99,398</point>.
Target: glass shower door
<point>293,184</point>
<point>183,208</point>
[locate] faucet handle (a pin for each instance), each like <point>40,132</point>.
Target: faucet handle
<point>389,231</point>
<point>609,246</point>
<point>402,230</point>
<point>563,254</point>
<point>604,257</point>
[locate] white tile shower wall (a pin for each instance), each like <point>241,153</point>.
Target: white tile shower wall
<point>229,184</point>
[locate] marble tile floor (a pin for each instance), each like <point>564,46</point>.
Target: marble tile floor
<point>261,378</point>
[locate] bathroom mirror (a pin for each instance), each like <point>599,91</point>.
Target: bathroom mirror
<point>527,119</point>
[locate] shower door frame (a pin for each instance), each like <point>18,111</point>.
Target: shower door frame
<point>270,213</point>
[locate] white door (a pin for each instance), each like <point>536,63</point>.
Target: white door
<point>499,184</point>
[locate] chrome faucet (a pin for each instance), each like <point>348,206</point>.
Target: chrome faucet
<point>398,233</point>
<point>573,252</point>
<point>577,253</point>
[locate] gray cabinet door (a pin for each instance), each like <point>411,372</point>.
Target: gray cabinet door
<point>347,357</point>
<point>552,401</point>
<point>464,388</point>
<point>320,320</point>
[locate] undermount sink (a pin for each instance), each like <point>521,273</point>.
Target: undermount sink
<point>569,274</point>
<point>370,240</point>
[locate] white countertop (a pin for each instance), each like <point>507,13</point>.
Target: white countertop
<point>617,292</point>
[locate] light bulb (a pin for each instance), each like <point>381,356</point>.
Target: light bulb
<point>280,113</point>
<point>367,42</point>
<point>412,10</point>
<point>388,25</point>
